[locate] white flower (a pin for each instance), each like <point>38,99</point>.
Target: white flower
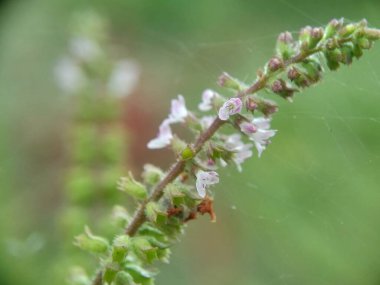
<point>84,48</point>
<point>241,155</point>
<point>240,150</point>
<point>258,131</point>
<point>230,107</point>
<point>123,78</point>
<point>178,110</point>
<point>207,96</point>
<point>69,76</point>
<point>163,138</point>
<point>204,179</point>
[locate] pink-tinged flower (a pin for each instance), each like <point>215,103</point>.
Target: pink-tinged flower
<point>248,128</point>
<point>204,180</point>
<point>261,135</point>
<point>163,138</point>
<point>178,111</point>
<point>207,97</point>
<point>230,107</point>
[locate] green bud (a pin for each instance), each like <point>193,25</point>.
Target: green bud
<point>332,28</point>
<point>140,275</point>
<point>315,37</point>
<point>298,77</point>
<point>364,43</point>
<point>130,186</point>
<point>333,57</point>
<point>227,81</point>
<point>304,35</point>
<point>347,30</point>
<point>110,271</point>
<point>371,34</point>
<point>154,213</point>
<point>144,250</point>
<point>347,53</point>
<point>150,230</point>
<point>187,153</point>
<point>285,45</point>
<point>120,248</point>
<point>123,278</point>
<point>173,193</point>
<point>357,51</point>
<point>152,174</point>
<point>91,243</point>
<point>312,70</point>
<point>164,255</point>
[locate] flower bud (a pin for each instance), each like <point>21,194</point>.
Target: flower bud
<point>333,57</point>
<point>347,30</point>
<point>154,213</point>
<point>284,46</point>
<point>364,43</point>
<point>265,106</point>
<point>110,272</point>
<point>347,51</point>
<point>312,71</point>
<point>299,78</point>
<point>250,104</point>
<point>274,64</point>
<point>304,35</point>
<point>91,243</point>
<point>120,248</point>
<point>227,81</point>
<point>174,194</point>
<point>357,51</point>
<point>310,37</point>
<point>123,278</point>
<point>144,250</point>
<point>316,35</point>
<point>152,174</point>
<point>130,186</point>
<point>187,153</point>
<point>332,28</point>
<point>140,275</point>
<point>371,34</point>
<point>281,88</point>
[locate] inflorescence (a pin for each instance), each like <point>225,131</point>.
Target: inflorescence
<point>168,200</point>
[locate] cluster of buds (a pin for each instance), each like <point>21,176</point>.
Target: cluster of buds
<point>169,200</point>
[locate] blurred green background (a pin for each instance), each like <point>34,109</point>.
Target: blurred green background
<point>307,212</point>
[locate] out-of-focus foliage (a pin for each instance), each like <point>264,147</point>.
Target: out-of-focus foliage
<point>95,84</point>
<point>305,213</point>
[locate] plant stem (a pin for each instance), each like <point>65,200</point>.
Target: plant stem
<point>177,168</point>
